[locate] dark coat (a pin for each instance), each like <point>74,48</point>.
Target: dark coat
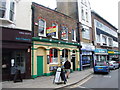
<point>67,65</point>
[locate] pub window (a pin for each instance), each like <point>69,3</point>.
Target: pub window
<point>2,8</point>
<point>42,28</point>
<point>12,5</point>
<point>53,55</point>
<point>73,35</point>
<point>64,55</point>
<point>64,33</point>
<point>56,33</point>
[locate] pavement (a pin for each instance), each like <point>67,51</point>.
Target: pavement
<point>47,81</point>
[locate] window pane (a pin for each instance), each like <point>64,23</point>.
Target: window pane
<point>53,55</point>
<point>41,26</point>
<point>64,34</point>
<point>2,8</point>
<point>11,10</point>
<point>55,34</point>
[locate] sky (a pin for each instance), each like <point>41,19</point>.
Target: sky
<point>108,9</point>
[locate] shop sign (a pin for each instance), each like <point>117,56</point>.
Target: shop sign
<point>51,31</point>
<point>88,47</point>
<point>100,50</point>
<point>16,35</point>
<point>113,52</point>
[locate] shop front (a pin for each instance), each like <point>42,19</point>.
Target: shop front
<point>16,53</point>
<point>87,55</point>
<point>48,54</point>
<point>101,54</point>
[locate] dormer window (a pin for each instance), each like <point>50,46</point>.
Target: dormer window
<point>2,8</point>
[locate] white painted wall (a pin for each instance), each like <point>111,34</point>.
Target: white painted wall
<point>87,8</point>
<point>22,15</point>
<point>107,30</point>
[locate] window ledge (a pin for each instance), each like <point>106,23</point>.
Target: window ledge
<point>55,37</point>
<point>9,21</point>
<point>74,40</point>
<point>65,39</point>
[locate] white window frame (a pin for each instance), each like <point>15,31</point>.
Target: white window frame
<point>39,34</point>
<point>74,35</point>
<point>87,16</point>
<point>84,34</point>
<point>3,8</point>
<point>111,42</point>
<point>98,41</point>
<point>13,11</point>
<point>102,40</point>
<point>82,14</point>
<point>67,34</point>
<point>54,57</point>
<point>56,30</point>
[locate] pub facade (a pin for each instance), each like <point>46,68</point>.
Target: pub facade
<point>54,41</point>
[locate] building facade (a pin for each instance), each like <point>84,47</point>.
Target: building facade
<point>81,11</point>
<point>16,38</point>
<point>105,38</point>
<point>54,41</point>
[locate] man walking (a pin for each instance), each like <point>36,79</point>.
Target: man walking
<point>67,66</point>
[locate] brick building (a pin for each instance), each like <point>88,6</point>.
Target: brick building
<point>54,41</point>
<point>81,11</point>
<point>105,38</point>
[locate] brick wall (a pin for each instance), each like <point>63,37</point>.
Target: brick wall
<point>51,16</point>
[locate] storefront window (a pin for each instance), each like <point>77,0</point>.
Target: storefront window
<point>53,55</point>
<point>64,55</point>
<point>18,62</point>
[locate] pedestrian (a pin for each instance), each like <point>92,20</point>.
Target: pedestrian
<point>67,66</point>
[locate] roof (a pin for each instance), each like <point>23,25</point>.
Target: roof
<point>93,12</point>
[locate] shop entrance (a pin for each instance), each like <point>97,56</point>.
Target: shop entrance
<point>73,60</point>
<point>6,65</point>
<point>39,65</point>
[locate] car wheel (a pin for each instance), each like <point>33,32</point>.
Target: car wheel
<point>95,72</point>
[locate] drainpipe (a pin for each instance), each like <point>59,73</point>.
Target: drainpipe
<point>78,36</point>
<point>33,12</point>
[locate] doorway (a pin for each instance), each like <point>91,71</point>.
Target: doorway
<point>73,61</point>
<point>39,66</point>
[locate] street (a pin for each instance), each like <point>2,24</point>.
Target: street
<point>102,80</point>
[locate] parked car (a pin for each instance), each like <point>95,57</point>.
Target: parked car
<point>117,60</point>
<point>113,65</point>
<point>101,67</point>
